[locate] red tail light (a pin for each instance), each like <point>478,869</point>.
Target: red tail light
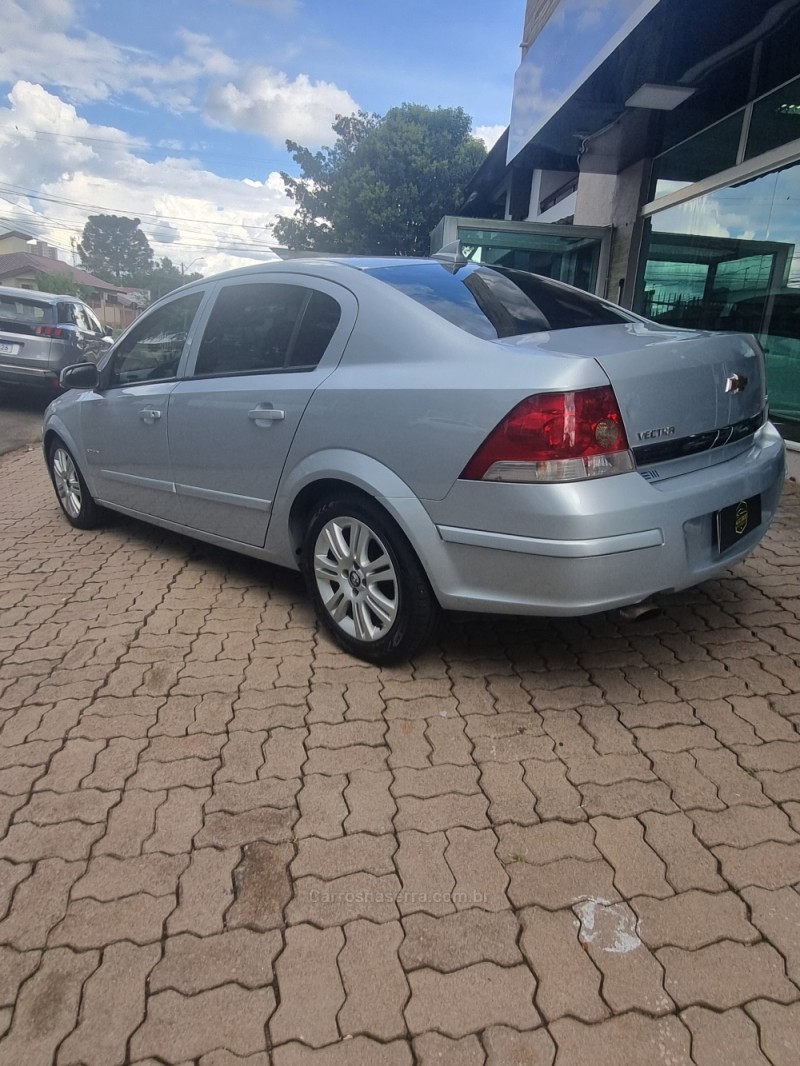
<point>52,331</point>
<point>556,436</point>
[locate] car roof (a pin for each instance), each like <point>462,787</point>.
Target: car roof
<point>314,263</point>
<point>36,294</point>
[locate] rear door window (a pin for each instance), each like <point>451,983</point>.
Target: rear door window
<point>265,327</point>
<point>495,302</point>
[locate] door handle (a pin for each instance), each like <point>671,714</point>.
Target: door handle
<point>261,415</point>
<point>149,415</point>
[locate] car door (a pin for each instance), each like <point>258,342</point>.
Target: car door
<point>267,345</point>
<point>124,423</point>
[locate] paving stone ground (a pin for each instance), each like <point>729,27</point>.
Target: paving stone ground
<point>225,843</point>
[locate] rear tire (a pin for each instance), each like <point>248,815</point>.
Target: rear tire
<point>72,491</point>
<point>366,582</point>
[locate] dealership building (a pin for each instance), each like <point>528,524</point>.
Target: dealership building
<point>653,157</point>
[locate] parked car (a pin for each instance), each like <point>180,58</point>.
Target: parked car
<point>41,333</point>
<point>416,435</point>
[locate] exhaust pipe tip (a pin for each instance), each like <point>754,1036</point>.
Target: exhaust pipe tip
<point>636,612</point>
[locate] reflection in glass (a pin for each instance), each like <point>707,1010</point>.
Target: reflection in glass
<point>573,260</point>
<point>729,260</point>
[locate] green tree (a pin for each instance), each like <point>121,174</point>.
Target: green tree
<point>163,277</point>
<point>62,285</point>
<point>114,248</point>
<point>383,185</point>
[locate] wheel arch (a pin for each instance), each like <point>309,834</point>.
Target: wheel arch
<point>335,473</point>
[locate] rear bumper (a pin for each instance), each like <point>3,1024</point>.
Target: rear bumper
<point>24,375</point>
<point>629,538</point>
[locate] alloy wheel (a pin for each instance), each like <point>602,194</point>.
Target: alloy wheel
<point>356,578</point>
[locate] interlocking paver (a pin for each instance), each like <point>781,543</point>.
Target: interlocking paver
<point>729,1038</point>
<point>433,1048</point>
<point>458,940</point>
<point>369,961</point>
<point>693,919</point>
<point>777,1028</point>
<point>193,964</point>
<point>207,809</point>
<point>638,870</point>
<point>627,1040</point>
<point>39,903</point>
<point>689,864</point>
<point>505,1045</point>
<point>47,1008</point>
<point>307,974</point>
<point>725,974</point>
<point>113,1006</point>
<point>632,978</point>
<point>471,999</point>
<point>178,1028</point>
<point>568,981</point>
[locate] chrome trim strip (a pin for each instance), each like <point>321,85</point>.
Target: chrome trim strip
<point>562,549</point>
<point>32,371</point>
<point>140,482</point>
<point>252,503</point>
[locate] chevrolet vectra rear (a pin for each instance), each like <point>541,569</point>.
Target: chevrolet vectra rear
<point>416,435</point>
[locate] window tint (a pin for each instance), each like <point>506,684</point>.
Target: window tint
<point>80,319</point>
<point>21,315</point>
<point>152,350</point>
<point>320,319</point>
<point>494,302</point>
<point>251,329</point>
<point>94,324</point>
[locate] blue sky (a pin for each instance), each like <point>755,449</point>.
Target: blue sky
<point>177,111</point>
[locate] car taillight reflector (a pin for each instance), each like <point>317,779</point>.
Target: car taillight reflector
<point>556,436</point>
<point>52,331</point>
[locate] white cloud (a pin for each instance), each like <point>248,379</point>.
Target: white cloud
<point>50,187</point>
<point>267,102</point>
<point>46,47</point>
<point>490,135</point>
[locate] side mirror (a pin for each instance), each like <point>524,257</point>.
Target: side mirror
<point>80,376</point>
<point>108,331</point>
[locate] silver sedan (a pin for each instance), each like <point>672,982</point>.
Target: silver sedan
<point>418,435</point>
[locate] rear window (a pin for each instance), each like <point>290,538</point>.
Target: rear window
<point>494,302</point>
<point>21,315</point>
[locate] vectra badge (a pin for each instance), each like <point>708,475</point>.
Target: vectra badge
<point>736,383</point>
<point>654,434</point>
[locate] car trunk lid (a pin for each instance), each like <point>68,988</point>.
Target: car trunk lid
<point>681,393</point>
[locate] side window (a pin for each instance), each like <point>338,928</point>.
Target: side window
<point>250,329</point>
<point>94,324</point>
<point>152,350</point>
<point>80,319</point>
<point>319,324</point>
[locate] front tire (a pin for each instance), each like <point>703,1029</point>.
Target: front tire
<point>368,586</point>
<point>72,491</point>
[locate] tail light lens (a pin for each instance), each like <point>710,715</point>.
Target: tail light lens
<point>57,332</point>
<point>556,436</point>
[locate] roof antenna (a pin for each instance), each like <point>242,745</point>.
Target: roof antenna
<point>451,256</point>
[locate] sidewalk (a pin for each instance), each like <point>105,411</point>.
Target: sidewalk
<point>223,842</point>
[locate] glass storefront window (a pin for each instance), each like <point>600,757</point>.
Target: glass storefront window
<point>776,120</point>
<point>573,260</point>
<point>729,260</point>
<point>714,149</point>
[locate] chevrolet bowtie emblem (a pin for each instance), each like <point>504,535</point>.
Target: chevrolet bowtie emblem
<point>736,383</point>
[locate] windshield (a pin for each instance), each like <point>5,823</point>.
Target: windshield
<point>494,302</point>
